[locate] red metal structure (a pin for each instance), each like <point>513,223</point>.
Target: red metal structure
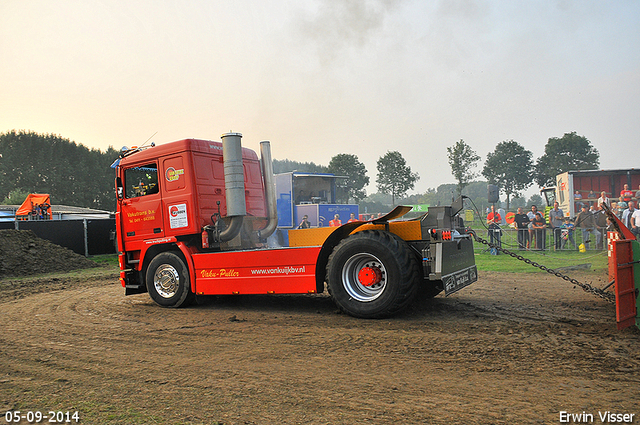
<point>626,255</point>
<point>624,269</point>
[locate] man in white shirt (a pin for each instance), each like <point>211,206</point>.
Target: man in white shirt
<point>635,223</point>
<point>603,199</point>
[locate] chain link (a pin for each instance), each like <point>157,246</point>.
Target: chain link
<point>608,296</point>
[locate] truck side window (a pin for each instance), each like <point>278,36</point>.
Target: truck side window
<point>141,181</point>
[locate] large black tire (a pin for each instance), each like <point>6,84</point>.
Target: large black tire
<point>372,274</point>
<point>168,281</point>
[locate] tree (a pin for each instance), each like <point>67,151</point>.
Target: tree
<point>518,202</point>
<point>510,167</point>
<point>45,163</point>
<point>536,200</point>
<point>567,153</point>
<point>353,186</point>
<point>16,197</point>
<point>462,160</point>
<point>287,165</point>
<point>394,175</point>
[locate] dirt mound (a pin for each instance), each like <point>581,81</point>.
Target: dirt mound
<point>24,254</point>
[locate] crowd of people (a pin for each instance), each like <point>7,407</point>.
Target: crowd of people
<point>590,220</point>
<point>336,222</point>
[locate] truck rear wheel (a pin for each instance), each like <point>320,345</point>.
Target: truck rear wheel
<point>168,280</point>
<point>372,274</point>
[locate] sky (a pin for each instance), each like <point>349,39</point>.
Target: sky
<point>322,77</point>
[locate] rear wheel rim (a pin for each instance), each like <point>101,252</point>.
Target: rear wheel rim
<point>166,281</point>
<point>352,284</point>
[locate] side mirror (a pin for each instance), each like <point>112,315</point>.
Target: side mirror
<point>119,188</point>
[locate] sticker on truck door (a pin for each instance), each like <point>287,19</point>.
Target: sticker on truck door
<point>178,216</point>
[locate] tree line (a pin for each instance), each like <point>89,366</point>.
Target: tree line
<point>511,167</point>
<point>394,177</point>
<point>76,175</point>
<point>72,174</point>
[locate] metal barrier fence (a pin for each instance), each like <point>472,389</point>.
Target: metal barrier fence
<point>546,239</point>
<point>85,237</point>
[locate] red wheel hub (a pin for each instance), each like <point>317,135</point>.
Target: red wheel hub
<point>369,276</point>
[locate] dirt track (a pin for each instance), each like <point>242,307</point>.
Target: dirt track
<point>507,350</point>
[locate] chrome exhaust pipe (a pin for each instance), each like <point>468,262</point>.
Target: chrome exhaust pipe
<point>269,190</point>
<point>234,186</point>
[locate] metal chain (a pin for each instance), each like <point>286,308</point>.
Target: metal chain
<point>608,296</point>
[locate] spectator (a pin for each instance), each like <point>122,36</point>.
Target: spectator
<point>603,199</point>
<point>503,216</point>
<point>567,229</point>
<point>626,194</point>
<point>626,214</point>
<point>610,227</point>
<point>493,220</point>
<point>539,227</point>
<point>555,222</point>
<point>591,195</point>
<point>614,209</point>
<point>635,222</point>
<point>522,224</point>
<point>532,216</point>
<point>304,224</point>
<point>638,193</point>
<point>601,222</point>
<point>578,198</point>
<point>586,222</point>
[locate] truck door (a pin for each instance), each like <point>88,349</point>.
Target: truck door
<point>177,199</point>
<point>141,212</point>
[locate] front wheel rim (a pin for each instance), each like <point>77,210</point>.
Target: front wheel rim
<point>166,281</point>
<point>364,292</point>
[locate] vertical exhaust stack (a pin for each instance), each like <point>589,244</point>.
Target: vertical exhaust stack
<point>234,185</point>
<point>270,191</point>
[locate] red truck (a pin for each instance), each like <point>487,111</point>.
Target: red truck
<point>193,218</point>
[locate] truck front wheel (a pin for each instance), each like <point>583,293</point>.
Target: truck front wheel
<point>372,274</point>
<point>168,280</point>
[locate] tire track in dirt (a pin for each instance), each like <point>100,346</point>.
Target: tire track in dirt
<point>504,351</point>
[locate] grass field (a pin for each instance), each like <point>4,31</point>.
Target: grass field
<point>597,261</point>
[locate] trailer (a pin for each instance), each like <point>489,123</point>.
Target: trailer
<point>589,184</point>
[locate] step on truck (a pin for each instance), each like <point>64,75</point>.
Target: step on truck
<point>193,217</point>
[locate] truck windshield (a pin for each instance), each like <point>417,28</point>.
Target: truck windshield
<point>549,195</point>
<point>141,181</point>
